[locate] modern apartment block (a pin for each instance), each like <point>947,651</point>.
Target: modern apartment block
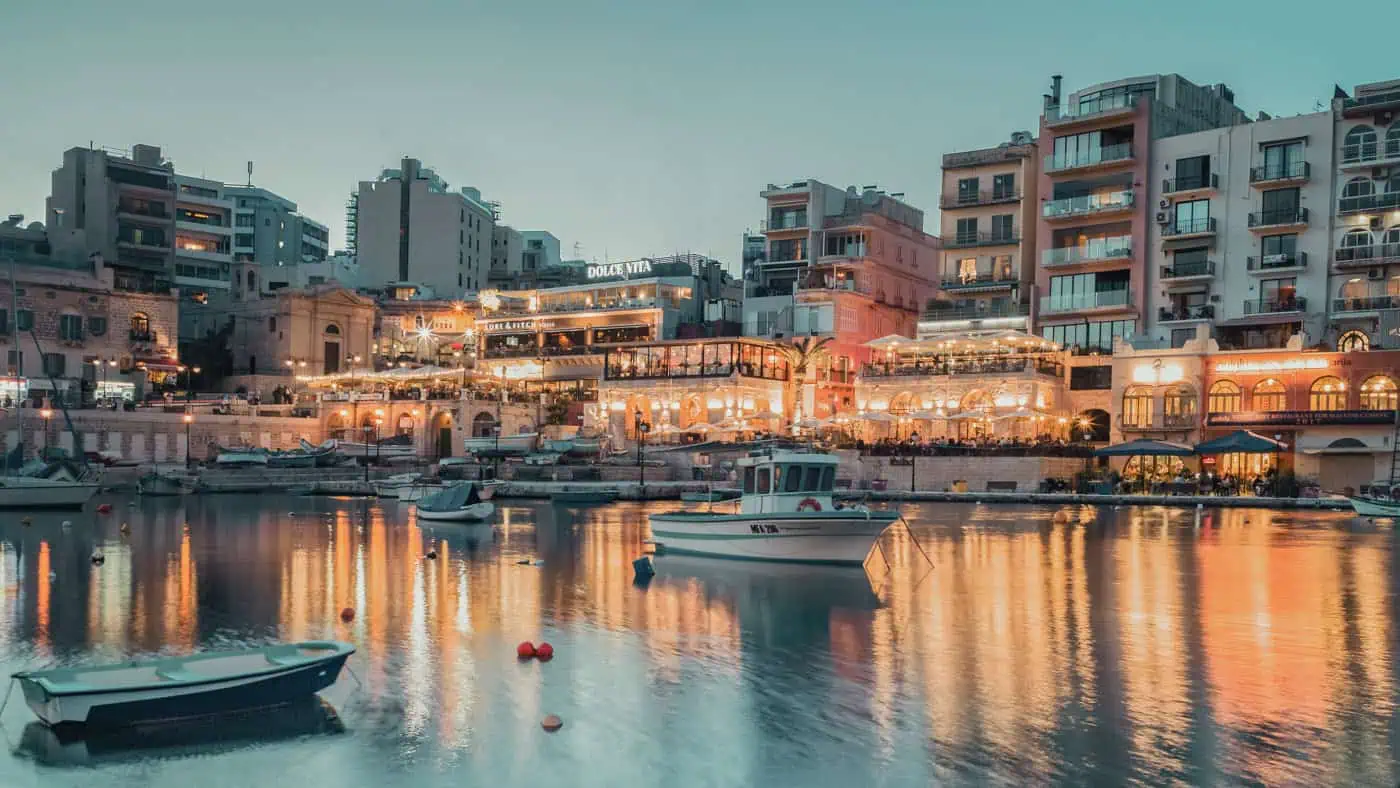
<point>1095,209</point>
<point>1365,242</point>
<point>988,230</point>
<point>1240,233</point>
<point>270,234</point>
<point>848,264</point>
<point>409,226</point>
<point>203,235</point>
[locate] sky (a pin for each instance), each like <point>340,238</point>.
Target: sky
<point>627,129</point>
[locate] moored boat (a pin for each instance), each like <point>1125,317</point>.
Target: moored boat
<point>393,486</point>
<point>584,497</point>
<point>241,458</point>
<point>504,444</point>
<point>157,484</point>
<point>1377,499</point>
<point>178,687</point>
<point>711,496</point>
<point>37,492</point>
<point>418,490</point>
<point>786,513</point>
<point>459,503</point>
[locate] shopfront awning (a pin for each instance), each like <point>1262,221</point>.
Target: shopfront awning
<point>1145,448</point>
<point>1242,442</point>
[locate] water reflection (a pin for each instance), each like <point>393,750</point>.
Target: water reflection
<point>1080,645</point>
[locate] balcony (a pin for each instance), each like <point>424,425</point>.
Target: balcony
<point>987,311</point>
<point>1271,175</point>
<point>143,210</point>
<point>1189,228</point>
<point>1179,273</point>
<point>1182,313</point>
<point>142,243</point>
<point>1098,250</point>
<point>136,335</point>
<point>1369,303</point>
<point>1090,111</point>
<point>1083,302</point>
<point>1370,154</point>
<point>1282,306</point>
<point>993,197</point>
<point>784,225</point>
<point>1358,256</point>
<point>968,240</point>
<point>1088,205</point>
<point>1106,156</point>
<point>1278,219</point>
<point>982,280</point>
<point>966,366</point>
<point>1370,203</point>
<point>1277,263</point>
<point>1362,106</point>
<point>1158,422</point>
<point>1190,184</point>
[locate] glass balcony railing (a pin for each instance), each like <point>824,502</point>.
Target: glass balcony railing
<point>1087,110</point>
<point>1269,262</point>
<point>1112,248</point>
<point>1369,203</point>
<point>1190,183</point>
<point>1369,303</point>
<point>1367,255</point>
<point>986,197</point>
<point>1088,204</point>
<point>1269,306</point>
<point>961,240</point>
<point>1279,217</point>
<point>1200,226</point>
<point>1168,314</point>
<point>1079,301</point>
<point>1107,154</point>
<point>1286,171</point>
<point>1184,270</point>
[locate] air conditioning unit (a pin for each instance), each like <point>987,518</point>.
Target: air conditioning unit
<point>1215,299</point>
<point>1162,217</point>
<point>1375,273</point>
<point>1164,203</point>
<point>1275,258</point>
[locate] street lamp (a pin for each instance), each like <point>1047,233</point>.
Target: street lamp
<point>366,429</point>
<point>377,451</point>
<point>642,429</point>
<point>46,414</point>
<point>189,419</point>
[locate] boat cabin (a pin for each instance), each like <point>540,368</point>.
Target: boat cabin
<point>787,481</point>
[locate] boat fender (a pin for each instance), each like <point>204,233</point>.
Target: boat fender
<point>552,723</point>
<point>643,568</point>
<point>526,650</point>
<point>66,524</point>
<point>105,508</point>
<point>98,559</point>
<point>809,504</point>
<point>544,652</point>
<point>347,614</point>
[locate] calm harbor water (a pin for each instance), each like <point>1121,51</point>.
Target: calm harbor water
<point>1079,645</point>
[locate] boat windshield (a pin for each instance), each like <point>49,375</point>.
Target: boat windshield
<point>764,475</point>
<point>749,474</point>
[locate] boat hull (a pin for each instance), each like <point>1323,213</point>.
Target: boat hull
<point>475,513</point>
<point>583,498</point>
<point>22,493</point>
<point>1371,507</point>
<point>840,537</point>
<point>108,709</point>
<point>159,486</point>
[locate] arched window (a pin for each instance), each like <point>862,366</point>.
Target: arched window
<point>1353,289</point>
<point>1179,406</point>
<point>1224,397</point>
<point>1358,238</point>
<point>1359,144</point>
<point>1269,395</point>
<point>976,400</point>
<point>1392,141</point>
<point>901,404</point>
<point>1392,184</point>
<point>1358,187</point>
<point>1327,393</point>
<point>1137,407</point>
<point>1353,341</point>
<point>333,329</point>
<point>141,327</point>
<point>1378,392</point>
<point>252,282</point>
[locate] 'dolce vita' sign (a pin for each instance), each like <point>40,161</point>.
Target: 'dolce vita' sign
<point>609,270</point>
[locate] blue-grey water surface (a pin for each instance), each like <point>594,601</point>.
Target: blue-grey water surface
<point>1104,646</point>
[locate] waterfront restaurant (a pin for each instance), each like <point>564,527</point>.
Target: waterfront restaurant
<point>977,386</point>
<point>1335,411</point>
<point>694,389</point>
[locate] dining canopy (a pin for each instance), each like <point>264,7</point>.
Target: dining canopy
<point>1143,447</point>
<point>1241,441</point>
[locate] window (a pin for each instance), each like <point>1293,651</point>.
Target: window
<point>764,478</point>
<point>792,480</point>
<point>1270,395</point>
<point>1280,206</point>
<point>1179,406</point>
<point>1359,144</point>
<point>24,320</point>
<point>1137,407</point>
<point>1192,173</point>
<point>272,325</point>
<point>70,328</point>
<point>55,364</point>
<point>1279,293</point>
<point>1193,216</point>
<point>1097,378</point>
<point>813,482</point>
<point>1004,186</point>
<point>140,326</point>
<point>749,473</point>
<point>4,321</point>
<point>1283,161</point>
<point>1378,392</point>
<point>1353,341</point>
<point>967,270</point>
<point>967,190</point>
<point>1001,227</point>
<point>1277,250</point>
<point>1085,338</point>
<point>1180,336</point>
<point>1327,393</point>
<point>1224,397</point>
<point>333,329</point>
<point>828,478</point>
<point>967,230</point>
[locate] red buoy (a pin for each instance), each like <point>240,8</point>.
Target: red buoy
<point>552,723</point>
<point>348,614</point>
<point>545,652</point>
<point>525,650</point>
<point>104,508</point>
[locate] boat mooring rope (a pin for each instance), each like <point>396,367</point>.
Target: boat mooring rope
<point>8,690</point>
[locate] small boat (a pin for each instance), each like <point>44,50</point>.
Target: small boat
<point>419,490</point>
<point>392,486</point>
<point>459,503</point>
<point>241,458</point>
<point>786,513</point>
<point>326,454</point>
<point>37,492</point>
<point>388,450</point>
<point>504,444</point>
<point>1375,507</point>
<point>584,497</point>
<point>171,688</point>
<point>156,484</point>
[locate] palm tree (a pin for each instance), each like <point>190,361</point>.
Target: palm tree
<point>801,356</point>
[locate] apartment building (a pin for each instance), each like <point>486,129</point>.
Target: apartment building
<point>408,225</point>
<point>203,236</point>
<point>271,238</point>
<point>1240,233</point>
<point>1364,285</point>
<point>987,268</point>
<point>853,265</point>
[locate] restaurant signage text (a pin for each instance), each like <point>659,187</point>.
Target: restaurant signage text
<point>609,270</point>
<point>1283,365</point>
<point>1300,418</point>
<point>509,326</point>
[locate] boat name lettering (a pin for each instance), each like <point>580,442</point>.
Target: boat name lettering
<point>763,528</point>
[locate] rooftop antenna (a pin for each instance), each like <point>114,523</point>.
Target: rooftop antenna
<point>250,172</point>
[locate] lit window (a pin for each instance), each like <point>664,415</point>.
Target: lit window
<point>1327,393</point>
<point>1270,395</point>
<point>1378,393</point>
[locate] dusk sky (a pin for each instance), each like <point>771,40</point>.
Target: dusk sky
<point>631,128</point>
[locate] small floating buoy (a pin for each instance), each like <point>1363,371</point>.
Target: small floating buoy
<point>544,652</point>
<point>104,508</point>
<point>432,555</point>
<point>552,723</point>
<point>126,529</point>
<point>347,614</point>
<point>525,650</point>
<point>523,562</point>
<point>97,559</point>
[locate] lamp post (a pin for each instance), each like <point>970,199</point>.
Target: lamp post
<point>189,419</point>
<point>184,371</point>
<point>642,429</point>
<point>366,429</point>
<point>46,414</point>
<point>378,453</point>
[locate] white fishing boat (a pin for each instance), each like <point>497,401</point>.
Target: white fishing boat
<point>505,444</point>
<point>241,458</point>
<point>37,492</point>
<point>459,503</point>
<point>786,513</point>
<point>388,450</point>
<point>1376,500</point>
<point>127,693</point>
<point>393,486</point>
